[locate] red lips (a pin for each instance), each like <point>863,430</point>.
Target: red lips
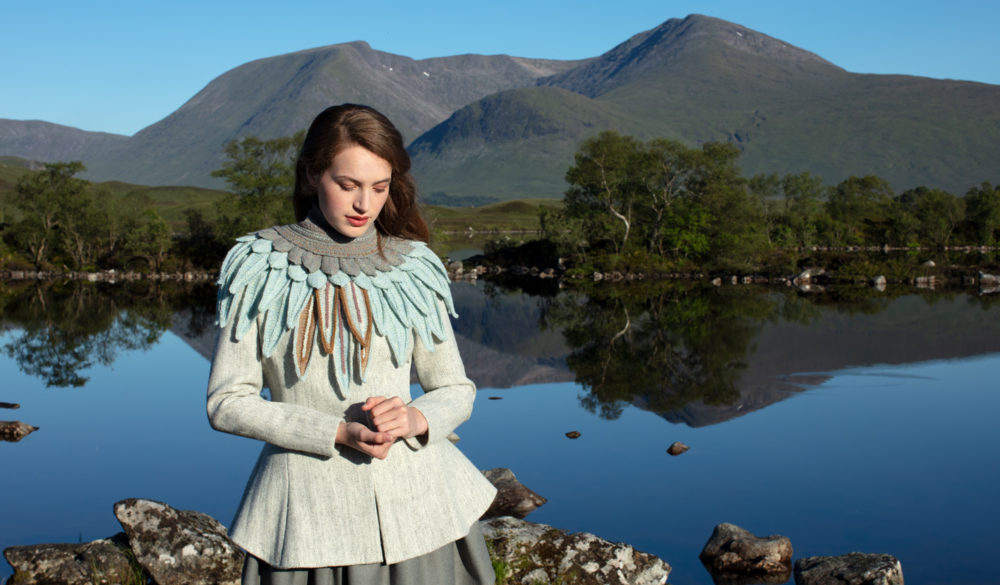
<point>357,220</point>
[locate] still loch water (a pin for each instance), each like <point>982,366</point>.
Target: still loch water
<point>842,420</point>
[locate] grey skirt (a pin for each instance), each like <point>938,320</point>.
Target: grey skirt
<point>463,562</point>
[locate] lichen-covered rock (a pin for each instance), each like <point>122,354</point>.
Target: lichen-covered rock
<point>532,553</point>
<point>104,561</point>
<point>179,547</point>
<point>734,551</point>
<point>513,497</point>
<point>850,569</point>
<point>15,430</point>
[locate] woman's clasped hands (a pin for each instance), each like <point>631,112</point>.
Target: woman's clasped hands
<point>391,418</point>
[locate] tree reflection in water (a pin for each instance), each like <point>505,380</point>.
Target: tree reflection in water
<point>666,344</point>
<point>68,327</point>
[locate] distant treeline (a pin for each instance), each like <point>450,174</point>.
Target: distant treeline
<point>630,204</point>
<point>54,220</point>
<point>661,202</point>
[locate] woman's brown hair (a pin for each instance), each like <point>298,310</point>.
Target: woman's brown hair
<point>339,127</point>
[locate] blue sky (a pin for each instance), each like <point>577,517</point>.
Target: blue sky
<point>121,66</point>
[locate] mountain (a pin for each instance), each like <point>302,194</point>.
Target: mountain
<point>699,79</point>
<point>506,127</point>
<point>511,143</point>
<point>37,140</point>
<point>280,95</point>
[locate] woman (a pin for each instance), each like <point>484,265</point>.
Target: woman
<point>356,482</point>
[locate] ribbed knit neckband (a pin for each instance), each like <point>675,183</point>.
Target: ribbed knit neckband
<point>314,244</point>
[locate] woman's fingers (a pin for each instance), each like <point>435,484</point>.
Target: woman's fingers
<point>369,442</point>
<point>389,416</point>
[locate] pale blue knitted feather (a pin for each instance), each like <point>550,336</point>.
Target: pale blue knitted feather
<point>264,281</point>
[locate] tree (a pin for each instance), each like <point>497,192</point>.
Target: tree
<point>603,185</point>
<point>983,213</point>
<point>804,194</point>
<point>123,216</point>
<point>43,200</point>
<point>201,245</point>
<point>261,174</point>
<point>79,229</point>
<point>152,239</point>
<point>765,190</point>
<point>735,232</point>
<point>859,208</point>
<point>660,198</point>
<point>935,214</point>
<point>665,164</point>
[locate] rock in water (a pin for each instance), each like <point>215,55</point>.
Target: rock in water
<point>849,569</point>
<point>15,430</point>
<point>527,553</point>
<point>99,562</point>
<point>677,448</point>
<point>732,551</point>
<point>513,498</point>
<point>573,434</point>
<point>179,547</point>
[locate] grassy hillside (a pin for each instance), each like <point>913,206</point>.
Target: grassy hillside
<point>455,230</point>
<point>519,215</point>
<point>170,202</point>
<point>512,145</point>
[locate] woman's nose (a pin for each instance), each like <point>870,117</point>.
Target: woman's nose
<point>362,201</point>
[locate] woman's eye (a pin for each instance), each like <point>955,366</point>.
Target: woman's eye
<point>347,186</point>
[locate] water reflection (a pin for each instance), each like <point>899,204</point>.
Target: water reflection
<point>694,353</point>
<point>665,345</point>
<point>66,328</point>
<point>700,354</point>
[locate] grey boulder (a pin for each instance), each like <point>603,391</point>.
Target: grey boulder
<point>525,552</point>
<point>101,562</point>
<point>850,569</point>
<point>179,547</point>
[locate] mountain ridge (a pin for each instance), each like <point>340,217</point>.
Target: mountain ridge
<point>790,114</point>
<point>507,127</point>
<point>279,95</point>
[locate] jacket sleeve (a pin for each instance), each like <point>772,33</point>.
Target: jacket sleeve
<point>448,394</point>
<point>235,404</point>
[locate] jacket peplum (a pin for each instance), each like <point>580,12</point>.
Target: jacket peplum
<point>324,323</point>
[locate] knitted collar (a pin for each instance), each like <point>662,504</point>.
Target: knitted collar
<point>315,245</point>
<point>334,292</point>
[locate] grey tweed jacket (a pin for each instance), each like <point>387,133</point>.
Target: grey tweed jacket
<point>311,503</point>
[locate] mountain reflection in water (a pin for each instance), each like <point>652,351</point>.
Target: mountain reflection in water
<point>702,354</point>
<point>695,354</point>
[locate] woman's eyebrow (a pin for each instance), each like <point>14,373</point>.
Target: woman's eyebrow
<point>352,179</point>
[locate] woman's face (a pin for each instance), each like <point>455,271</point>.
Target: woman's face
<point>352,191</point>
